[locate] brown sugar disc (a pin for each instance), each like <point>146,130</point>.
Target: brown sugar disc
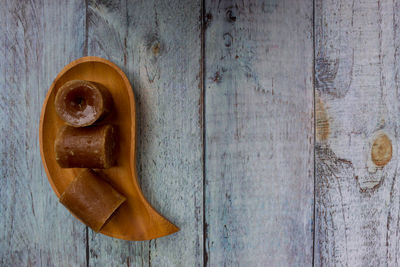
<point>82,103</point>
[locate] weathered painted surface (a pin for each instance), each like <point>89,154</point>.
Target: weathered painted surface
<point>158,45</point>
<point>247,67</point>
<point>357,190</point>
<point>35,44</point>
<point>259,133</point>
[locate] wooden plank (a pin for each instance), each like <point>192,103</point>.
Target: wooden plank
<point>158,45</point>
<point>37,39</point>
<point>259,133</point>
<point>357,189</point>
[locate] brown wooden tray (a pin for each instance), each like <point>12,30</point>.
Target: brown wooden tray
<point>135,219</point>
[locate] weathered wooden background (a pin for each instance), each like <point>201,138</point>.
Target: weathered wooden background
<point>267,129</point>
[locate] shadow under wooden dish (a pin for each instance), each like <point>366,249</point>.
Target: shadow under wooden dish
<point>135,219</point>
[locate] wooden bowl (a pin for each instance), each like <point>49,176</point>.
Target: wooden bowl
<point>135,219</point>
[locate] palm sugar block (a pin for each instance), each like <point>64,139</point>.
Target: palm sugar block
<point>82,103</point>
<point>88,147</point>
<point>90,198</point>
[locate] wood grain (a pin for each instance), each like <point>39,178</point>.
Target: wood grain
<point>36,43</point>
<point>157,44</point>
<point>259,133</point>
<point>357,190</point>
<point>258,129</point>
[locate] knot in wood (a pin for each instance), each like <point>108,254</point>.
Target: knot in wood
<point>228,39</point>
<point>155,48</point>
<point>381,150</point>
<point>322,120</point>
<point>230,16</point>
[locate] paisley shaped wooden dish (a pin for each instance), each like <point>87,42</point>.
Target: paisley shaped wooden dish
<point>135,219</point>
